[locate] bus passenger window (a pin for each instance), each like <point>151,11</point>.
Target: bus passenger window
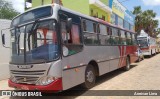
<point>122,37</point>
<point>90,26</point>
<point>129,42</point>
<point>90,35</point>
<point>114,37</point>
<point>133,40</point>
<point>71,40</point>
<point>103,35</point>
<point>91,39</point>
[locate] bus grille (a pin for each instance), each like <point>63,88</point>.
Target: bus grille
<point>27,77</point>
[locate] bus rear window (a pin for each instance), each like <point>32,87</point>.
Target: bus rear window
<point>32,15</point>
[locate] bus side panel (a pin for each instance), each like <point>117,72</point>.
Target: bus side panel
<point>73,70</point>
<point>122,54</point>
<point>103,54</point>
<point>128,50</point>
<point>100,54</point>
<point>77,63</point>
<point>132,52</point>
<point>73,77</point>
<point>115,57</point>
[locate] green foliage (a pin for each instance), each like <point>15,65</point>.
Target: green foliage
<point>6,10</point>
<point>145,20</point>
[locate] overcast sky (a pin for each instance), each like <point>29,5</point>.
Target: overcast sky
<point>18,5</point>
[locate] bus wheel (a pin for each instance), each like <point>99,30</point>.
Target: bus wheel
<point>139,59</point>
<point>127,67</point>
<point>90,77</point>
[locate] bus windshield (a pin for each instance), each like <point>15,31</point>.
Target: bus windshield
<point>34,43</point>
<point>32,15</point>
<point>143,43</point>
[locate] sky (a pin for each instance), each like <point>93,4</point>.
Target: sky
<point>18,5</point>
<point>145,5</point>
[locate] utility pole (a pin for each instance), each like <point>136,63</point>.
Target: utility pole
<point>57,1</point>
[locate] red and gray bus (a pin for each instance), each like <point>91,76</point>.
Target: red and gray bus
<point>54,48</point>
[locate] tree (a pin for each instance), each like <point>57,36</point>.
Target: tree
<point>6,10</point>
<point>138,19</point>
<point>145,20</point>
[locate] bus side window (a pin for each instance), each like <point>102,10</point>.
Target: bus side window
<point>103,35</point>
<point>90,34</point>
<point>122,37</point>
<point>71,40</point>
<point>115,36</point>
<point>133,39</point>
<point>128,35</point>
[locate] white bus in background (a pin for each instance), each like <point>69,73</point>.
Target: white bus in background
<point>147,44</point>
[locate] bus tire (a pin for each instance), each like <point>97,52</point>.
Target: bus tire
<point>139,59</point>
<point>128,66</point>
<point>90,77</point>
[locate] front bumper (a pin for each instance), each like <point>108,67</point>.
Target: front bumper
<point>146,53</point>
<point>55,86</point>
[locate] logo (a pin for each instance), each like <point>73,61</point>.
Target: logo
<point>25,66</point>
<point>6,93</point>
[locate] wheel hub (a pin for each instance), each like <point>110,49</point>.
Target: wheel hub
<point>90,76</point>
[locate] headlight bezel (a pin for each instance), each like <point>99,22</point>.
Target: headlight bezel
<point>46,80</point>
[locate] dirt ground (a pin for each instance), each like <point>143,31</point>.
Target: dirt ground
<point>144,75</point>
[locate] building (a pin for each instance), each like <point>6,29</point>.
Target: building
<point>4,52</point>
<point>109,10</point>
<point>121,16</point>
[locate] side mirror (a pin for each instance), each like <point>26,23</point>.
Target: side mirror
<point>69,24</point>
<point>3,39</point>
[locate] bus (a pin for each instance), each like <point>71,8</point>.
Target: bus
<point>158,44</point>
<point>54,48</point>
<point>147,44</point>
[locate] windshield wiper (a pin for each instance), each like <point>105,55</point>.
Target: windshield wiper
<point>34,27</point>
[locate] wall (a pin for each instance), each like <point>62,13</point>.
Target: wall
<point>4,52</point>
<point>36,3</point>
<point>81,6</point>
<point>123,13</point>
<point>100,13</point>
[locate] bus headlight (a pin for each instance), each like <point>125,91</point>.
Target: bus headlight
<point>46,80</point>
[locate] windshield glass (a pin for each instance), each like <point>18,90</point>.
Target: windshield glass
<point>34,43</point>
<point>32,15</point>
<point>143,43</point>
